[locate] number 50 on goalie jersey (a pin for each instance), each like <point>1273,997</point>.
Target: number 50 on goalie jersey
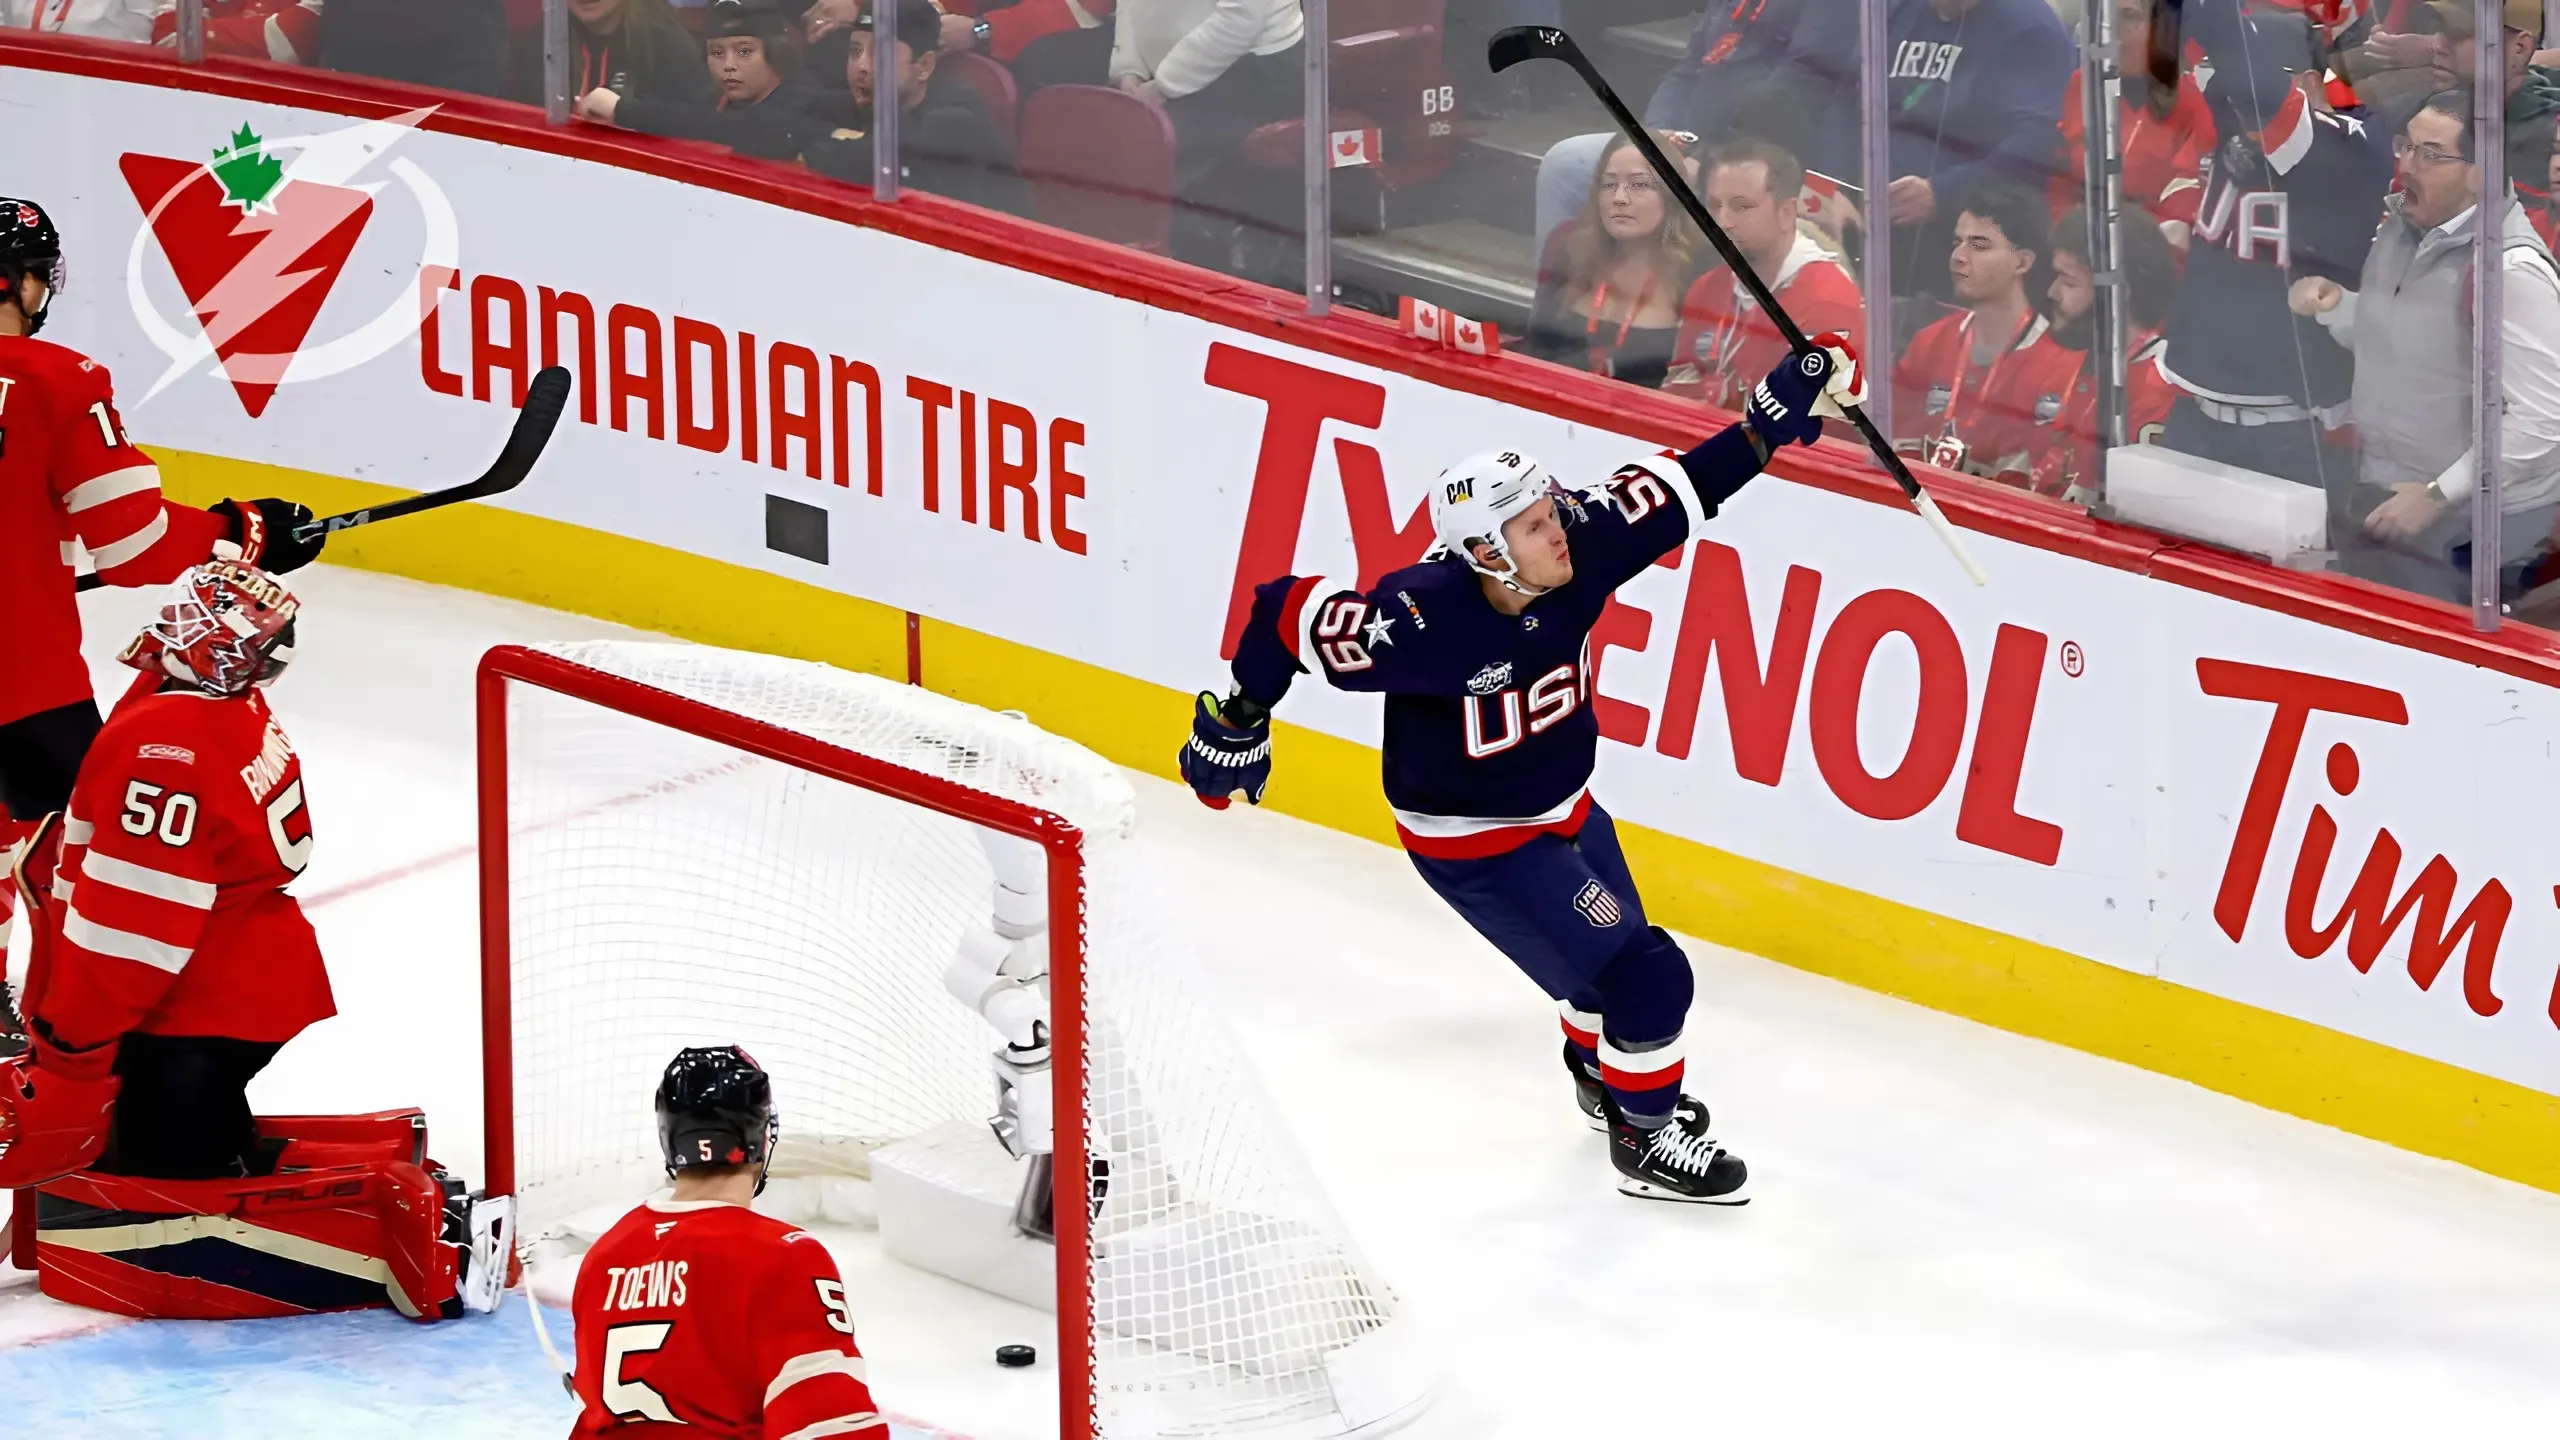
<point>169,912</point>
<point>1490,735</point>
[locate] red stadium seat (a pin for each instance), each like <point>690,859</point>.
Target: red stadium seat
<point>994,85</point>
<point>1100,163</point>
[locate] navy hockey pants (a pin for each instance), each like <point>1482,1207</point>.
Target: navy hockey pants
<point>1566,912</point>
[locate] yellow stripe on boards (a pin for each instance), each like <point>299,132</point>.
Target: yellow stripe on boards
<point>2256,1055</point>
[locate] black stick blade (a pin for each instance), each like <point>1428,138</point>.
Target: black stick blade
<point>544,401</point>
<point>1527,42</point>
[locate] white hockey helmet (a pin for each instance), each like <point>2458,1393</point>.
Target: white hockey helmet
<point>1473,499</point>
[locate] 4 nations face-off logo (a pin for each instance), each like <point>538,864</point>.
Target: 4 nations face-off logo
<point>258,237</point>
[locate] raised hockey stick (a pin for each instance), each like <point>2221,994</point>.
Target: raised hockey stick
<point>1539,42</point>
<point>544,400</point>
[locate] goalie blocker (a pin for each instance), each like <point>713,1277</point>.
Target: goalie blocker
<point>169,966</point>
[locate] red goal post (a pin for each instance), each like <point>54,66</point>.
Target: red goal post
<point>1061,840</point>
<point>685,845</point>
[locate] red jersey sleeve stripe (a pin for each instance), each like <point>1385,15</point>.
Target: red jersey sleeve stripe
<point>856,1424</point>
<point>114,485</point>
<point>2288,136</point>
<point>143,880</point>
<point>80,930</point>
<point>126,547</point>
<point>813,1365</point>
<point>1297,618</point>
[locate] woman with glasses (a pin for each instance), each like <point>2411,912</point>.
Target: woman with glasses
<point>1609,288</point>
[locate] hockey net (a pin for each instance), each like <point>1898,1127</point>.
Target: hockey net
<point>684,845</point>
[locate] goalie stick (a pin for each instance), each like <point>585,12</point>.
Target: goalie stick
<point>544,400</point>
<point>1541,42</point>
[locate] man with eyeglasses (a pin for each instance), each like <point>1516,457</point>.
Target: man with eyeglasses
<point>2408,322</point>
<point>2533,93</point>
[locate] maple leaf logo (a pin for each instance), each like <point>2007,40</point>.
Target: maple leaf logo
<point>248,175</point>
<point>258,236</point>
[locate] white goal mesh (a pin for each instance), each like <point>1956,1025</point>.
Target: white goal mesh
<point>664,889</point>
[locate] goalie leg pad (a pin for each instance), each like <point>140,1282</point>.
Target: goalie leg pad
<point>342,1238</point>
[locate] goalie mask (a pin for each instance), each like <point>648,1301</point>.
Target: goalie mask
<point>225,628</point>
<point>1473,499</point>
<point>715,1107</point>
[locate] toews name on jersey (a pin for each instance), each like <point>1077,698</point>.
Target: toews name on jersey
<point>711,1320</point>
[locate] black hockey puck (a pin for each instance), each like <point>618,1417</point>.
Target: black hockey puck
<point>1014,1357</point>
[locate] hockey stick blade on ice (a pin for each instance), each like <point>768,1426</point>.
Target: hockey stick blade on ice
<point>1522,43</point>
<point>544,400</point>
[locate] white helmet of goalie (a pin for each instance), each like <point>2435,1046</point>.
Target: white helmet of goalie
<point>1473,499</point>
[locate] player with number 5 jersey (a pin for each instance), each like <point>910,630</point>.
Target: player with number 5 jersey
<point>697,1316</point>
<point>1483,653</point>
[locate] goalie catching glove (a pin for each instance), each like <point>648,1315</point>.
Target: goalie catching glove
<point>1229,754</point>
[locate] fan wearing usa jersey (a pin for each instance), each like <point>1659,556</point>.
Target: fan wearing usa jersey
<point>170,965</point>
<point>697,1316</point>
<point>1483,654</point>
<point>71,480</point>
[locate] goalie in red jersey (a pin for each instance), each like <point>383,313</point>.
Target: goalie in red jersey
<point>697,1316</point>
<point>170,965</point>
<point>69,481</point>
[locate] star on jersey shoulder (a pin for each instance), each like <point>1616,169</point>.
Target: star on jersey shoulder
<point>1376,631</point>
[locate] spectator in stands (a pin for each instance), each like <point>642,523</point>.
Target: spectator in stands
<point>284,31</point>
<point>2405,518</point>
<point>1609,294</point>
<point>1763,68</point>
<point>1975,91</point>
<point>2066,463</point>
<point>2392,68</point>
<point>635,48</point>
<point>2533,93</point>
<point>1755,190</point>
<point>1973,388</point>
<point>2545,207</point>
<point>1220,68</point>
<point>96,19</point>
<point>450,44</point>
<point>2163,130</point>
<point>948,145</point>
<point>1043,42</point>
<point>764,109</point>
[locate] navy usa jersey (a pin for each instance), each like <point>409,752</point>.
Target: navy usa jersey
<point>2290,190</point>
<point>1490,733</point>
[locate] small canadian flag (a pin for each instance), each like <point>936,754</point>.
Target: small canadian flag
<point>1420,320</point>
<point>1425,321</point>
<point>1355,147</point>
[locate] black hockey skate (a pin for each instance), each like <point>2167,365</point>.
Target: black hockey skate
<point>1588,1092</point>
<point>1678,1160</point>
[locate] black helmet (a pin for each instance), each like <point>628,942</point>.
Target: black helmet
<point>29,245</point>
<point>715,1107</point>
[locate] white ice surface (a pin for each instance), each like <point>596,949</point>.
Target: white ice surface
<point>1956,1230</point>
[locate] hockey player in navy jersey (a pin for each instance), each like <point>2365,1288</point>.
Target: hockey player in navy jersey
<point>2294,187</point>
<point>1483,653</point>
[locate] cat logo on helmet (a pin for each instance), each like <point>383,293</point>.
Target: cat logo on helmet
<point>1462,490</point>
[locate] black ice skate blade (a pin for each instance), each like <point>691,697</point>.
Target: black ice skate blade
<point>1643,1190</point>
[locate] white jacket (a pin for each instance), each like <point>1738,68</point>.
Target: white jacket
<point>102,19</point>
<point>1183,45</point>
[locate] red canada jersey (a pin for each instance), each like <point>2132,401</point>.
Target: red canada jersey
<point>285,31</point>
<point>68,473</point>
<point>168,912</point>
<point>2067,453</point>
<point>1983,419</point>
<point>706,1319</point>
<point>2163,157</point>
<point>1727,345</point>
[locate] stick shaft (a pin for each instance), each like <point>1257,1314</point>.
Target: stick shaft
<point>1566,49</point>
